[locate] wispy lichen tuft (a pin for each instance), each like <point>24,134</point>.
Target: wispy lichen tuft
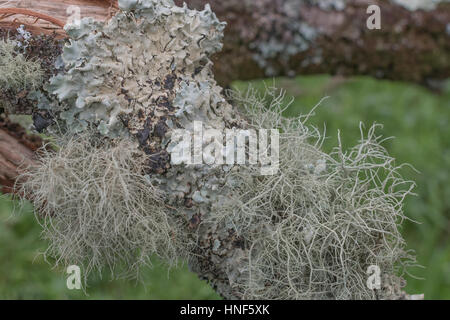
<point>313,230</point>
<point>98,209</point>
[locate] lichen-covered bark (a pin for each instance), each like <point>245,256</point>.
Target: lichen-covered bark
<point>17,146</point>
<point>140,77</point>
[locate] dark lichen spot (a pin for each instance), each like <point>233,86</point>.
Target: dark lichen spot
<point>42,120</point>
<point>239,243</point>
<point>125,119</point>
<point>198,70</point>
<point>164,102</point>
<point>188,203</point>
<point>141,114</point>
<point>194,221</point>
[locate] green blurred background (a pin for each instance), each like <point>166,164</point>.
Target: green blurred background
<point>417,117</point>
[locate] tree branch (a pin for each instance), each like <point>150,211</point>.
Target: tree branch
<point>411,46</point>
<point>17,150</point>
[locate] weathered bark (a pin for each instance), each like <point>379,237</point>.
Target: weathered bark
<point>98,9</point>
<point>301,39</point>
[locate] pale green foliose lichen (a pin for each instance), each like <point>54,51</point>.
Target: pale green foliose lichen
<point>141,75</point>
<point>112,70</point>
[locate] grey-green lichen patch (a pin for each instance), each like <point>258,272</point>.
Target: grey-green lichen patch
<point>302,37</point>
<point>280,31</point>
<point>330,4</point>
<point>419,4</point>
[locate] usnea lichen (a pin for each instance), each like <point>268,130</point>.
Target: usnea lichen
<point>313,230</point>
<point>17,73</point>
<point>111,195</point>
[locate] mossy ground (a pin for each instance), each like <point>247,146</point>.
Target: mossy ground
<point>417,118</point>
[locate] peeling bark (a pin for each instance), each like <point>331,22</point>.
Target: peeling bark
<point>97,9</point>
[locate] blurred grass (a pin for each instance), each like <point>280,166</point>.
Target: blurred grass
<point>417,118</point>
